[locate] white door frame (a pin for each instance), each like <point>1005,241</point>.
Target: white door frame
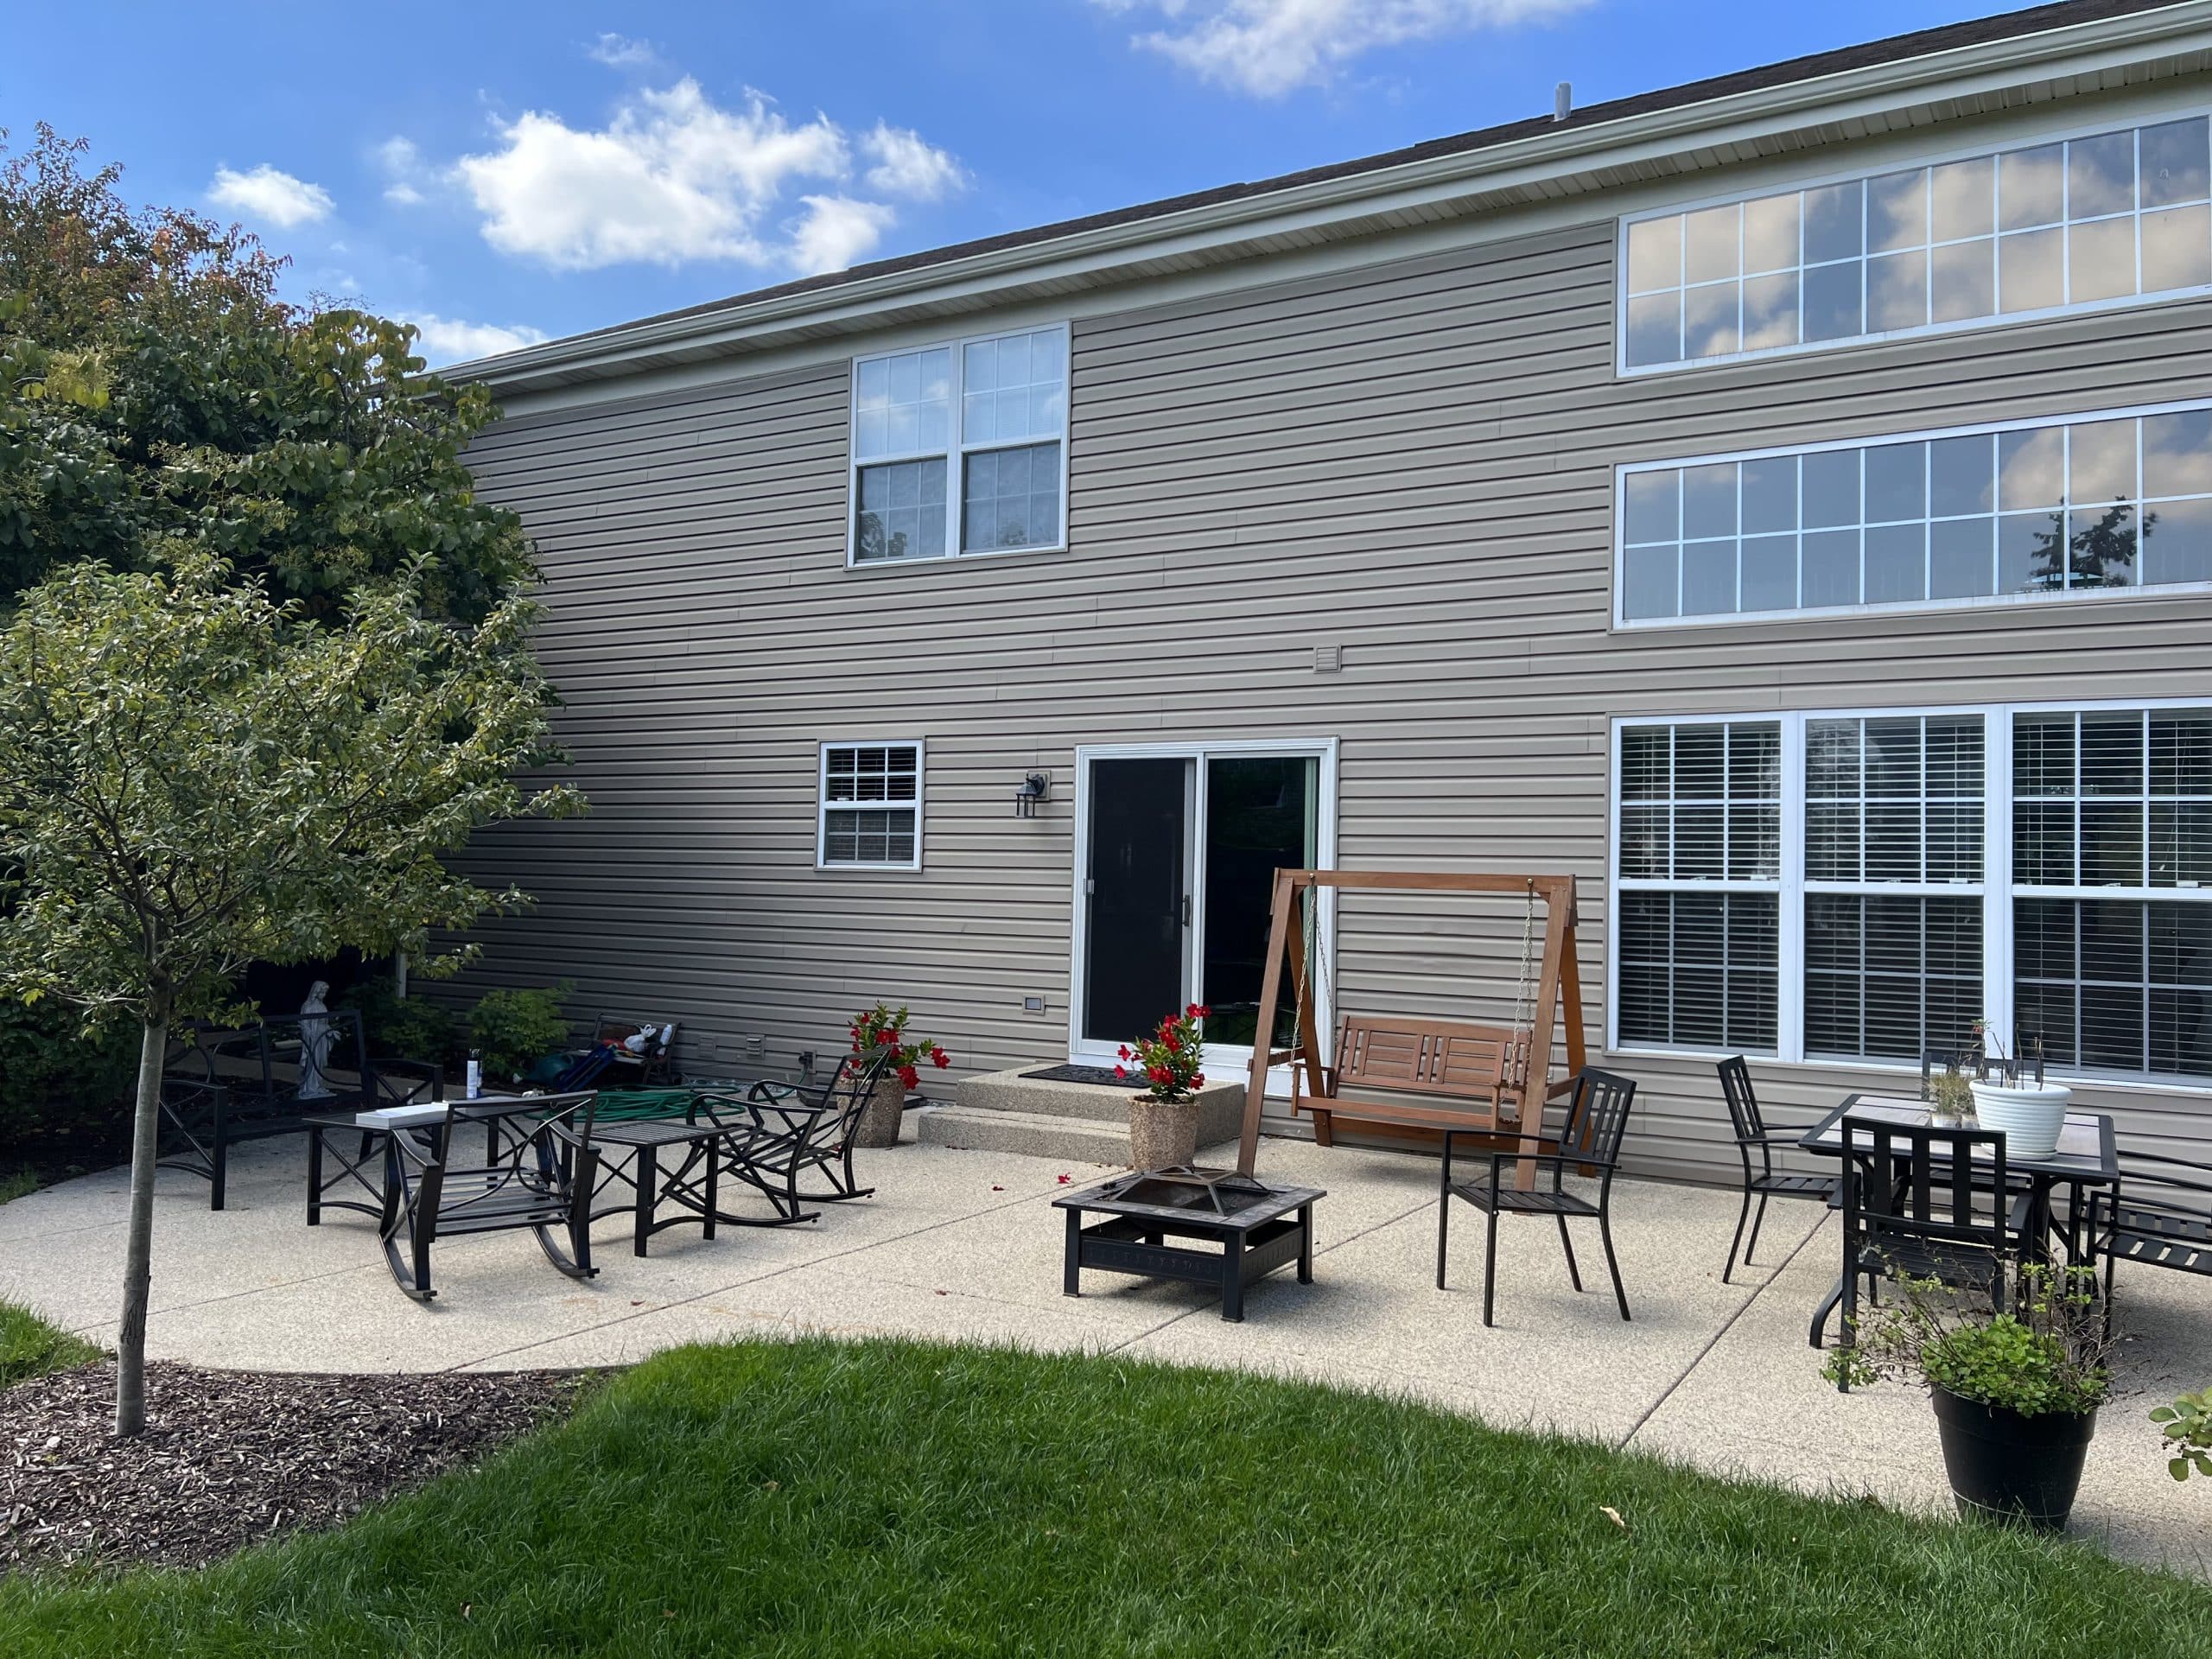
<point>1224,1060</point>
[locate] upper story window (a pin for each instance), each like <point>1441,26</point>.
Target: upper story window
<point>961,447</point>
<point>2048,228</point>
<point>2057,508</point>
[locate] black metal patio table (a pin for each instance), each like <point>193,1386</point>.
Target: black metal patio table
<point>2087,1155</point>
<point>1258,1230</point>
<point>371,1166</point>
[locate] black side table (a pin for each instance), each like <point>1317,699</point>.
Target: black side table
<point>1256,1233</point>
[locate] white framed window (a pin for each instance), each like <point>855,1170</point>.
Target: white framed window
<point>2113,500</point>
<point>1862,886</point>
<point>2061,225</point>
<point>868,815</point>
<point>960,448</point>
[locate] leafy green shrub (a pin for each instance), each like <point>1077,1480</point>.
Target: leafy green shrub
<point>512,1031</point>
<point>54,1077</point>
<point>2189,1433</point>
<point>398,1028</point>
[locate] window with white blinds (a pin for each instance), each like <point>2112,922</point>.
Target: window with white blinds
<point>1699,868</point>
<point>2111,888</point>
<point>869,811</point>
<point>1865,887</point>
<point>1893,848</point>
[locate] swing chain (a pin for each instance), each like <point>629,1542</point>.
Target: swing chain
<point>1528,950</point>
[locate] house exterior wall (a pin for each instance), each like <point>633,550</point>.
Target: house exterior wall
<point>1410,458</point>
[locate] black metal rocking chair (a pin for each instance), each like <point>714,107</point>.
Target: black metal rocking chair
<point>537,1173</point>
<point>2160,1214</point>
<point>793,1136</point>
<point>1591,1140</point>
<point>1766,1182</point>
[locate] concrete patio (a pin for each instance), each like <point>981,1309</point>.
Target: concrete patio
<point>964,1246</point>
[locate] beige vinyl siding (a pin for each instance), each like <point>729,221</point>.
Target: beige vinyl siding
<point>1412,460</point>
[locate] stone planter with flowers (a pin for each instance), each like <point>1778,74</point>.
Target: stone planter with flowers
<point>880,1033</point>
<point>1164,1119</point>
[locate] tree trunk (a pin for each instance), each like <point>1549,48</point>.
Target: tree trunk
<point>138,1252</point>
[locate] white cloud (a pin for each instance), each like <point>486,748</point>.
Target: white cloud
<point>1269,47</point>
<point>266,193</point>
<point>447,340</point>
<point>620,52</point>
<point>906,164</point>
<point>675,177</point>
<point>403,165</point>
<point>834,231</point>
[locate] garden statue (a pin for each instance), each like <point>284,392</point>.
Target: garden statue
<point>315,1043</point>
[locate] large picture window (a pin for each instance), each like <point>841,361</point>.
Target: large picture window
<point>2048,869</point>
<point>960,448</point>
<point>2048,508</point>
<point>2099,220</point>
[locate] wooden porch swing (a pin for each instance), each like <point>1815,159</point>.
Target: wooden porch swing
<point>1434,1074</point>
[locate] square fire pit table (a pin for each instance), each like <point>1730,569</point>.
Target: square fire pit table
<point>1257,1228</point>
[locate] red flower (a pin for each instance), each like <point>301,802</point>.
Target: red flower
<point>1122,1052</point>
<point>1159,1074</point>
<point>1203,1011</point>
<point>1192,1012</point>
<point>908,1075</point>
<point>1118,1071</point>
<point>939,1057</point>
<point>890,1039</point>
<point>1199,1081</point>
<point>1173,1046</point>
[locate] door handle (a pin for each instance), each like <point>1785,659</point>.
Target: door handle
<point>1186,909</point>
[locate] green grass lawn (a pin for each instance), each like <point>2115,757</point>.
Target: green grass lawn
<point>30,1347</point>
<point>888,1499</point>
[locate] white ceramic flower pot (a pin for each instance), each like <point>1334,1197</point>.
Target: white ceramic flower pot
<point>2030,1114</point>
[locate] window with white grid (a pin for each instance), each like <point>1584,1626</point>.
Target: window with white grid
<point>2111,888</point>
<point>1892,884</point>
<point>960,448</point>
<point>1698,867</point>
<point>2099,220</point>
<point>2044,867</point>
<point>2049,509</point>
<point>870,810</point>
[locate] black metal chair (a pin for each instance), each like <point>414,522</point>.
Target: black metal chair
<point>1591,1140</point>
<point>537,1173</point>
<point>1766,1182</point>
<point>793,1136</point>
<point>1932,1203</point>
<point>220,1087</point>
<point>2159,1215</point>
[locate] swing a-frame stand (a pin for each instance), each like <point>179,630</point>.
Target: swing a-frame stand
<point>1431,1074</point>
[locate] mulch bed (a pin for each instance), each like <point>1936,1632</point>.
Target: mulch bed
<point>232,1458</point>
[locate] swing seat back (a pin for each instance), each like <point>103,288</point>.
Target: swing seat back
<point>1437,1074</point>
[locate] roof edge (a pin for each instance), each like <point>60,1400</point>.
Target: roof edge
<point>1549,149</point>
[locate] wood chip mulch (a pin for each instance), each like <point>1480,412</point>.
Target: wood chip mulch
<point>232,1458</point>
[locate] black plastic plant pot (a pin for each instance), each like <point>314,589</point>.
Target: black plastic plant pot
<point>2008,1467</point>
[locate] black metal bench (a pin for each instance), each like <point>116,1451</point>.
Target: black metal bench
<point>221,1087</point>
<point>2159,1215</point>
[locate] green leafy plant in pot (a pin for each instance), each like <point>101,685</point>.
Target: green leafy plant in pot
<point>2016,1394</point>
<point>880,1033</point>
<point>1164,1119</point>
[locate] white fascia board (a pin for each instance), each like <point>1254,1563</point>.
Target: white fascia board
<point>2102,51</point>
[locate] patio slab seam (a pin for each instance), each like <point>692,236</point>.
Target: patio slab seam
<point>1773,1276</point>
<point>776,1272</point>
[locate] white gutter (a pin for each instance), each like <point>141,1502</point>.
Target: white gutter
<point>2090,49</point>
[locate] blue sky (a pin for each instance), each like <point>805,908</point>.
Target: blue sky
<point>504,172</point>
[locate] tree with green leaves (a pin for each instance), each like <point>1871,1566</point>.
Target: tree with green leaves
<point>196,776</point>
<point>153,387</point>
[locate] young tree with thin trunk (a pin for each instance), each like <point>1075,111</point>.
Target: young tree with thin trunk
<point>195,777</point>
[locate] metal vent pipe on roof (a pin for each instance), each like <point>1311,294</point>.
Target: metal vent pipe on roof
<point>1562,100</point>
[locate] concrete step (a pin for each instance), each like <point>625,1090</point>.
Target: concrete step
<point>1221,1105</point>
<point>1036,1135</point>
